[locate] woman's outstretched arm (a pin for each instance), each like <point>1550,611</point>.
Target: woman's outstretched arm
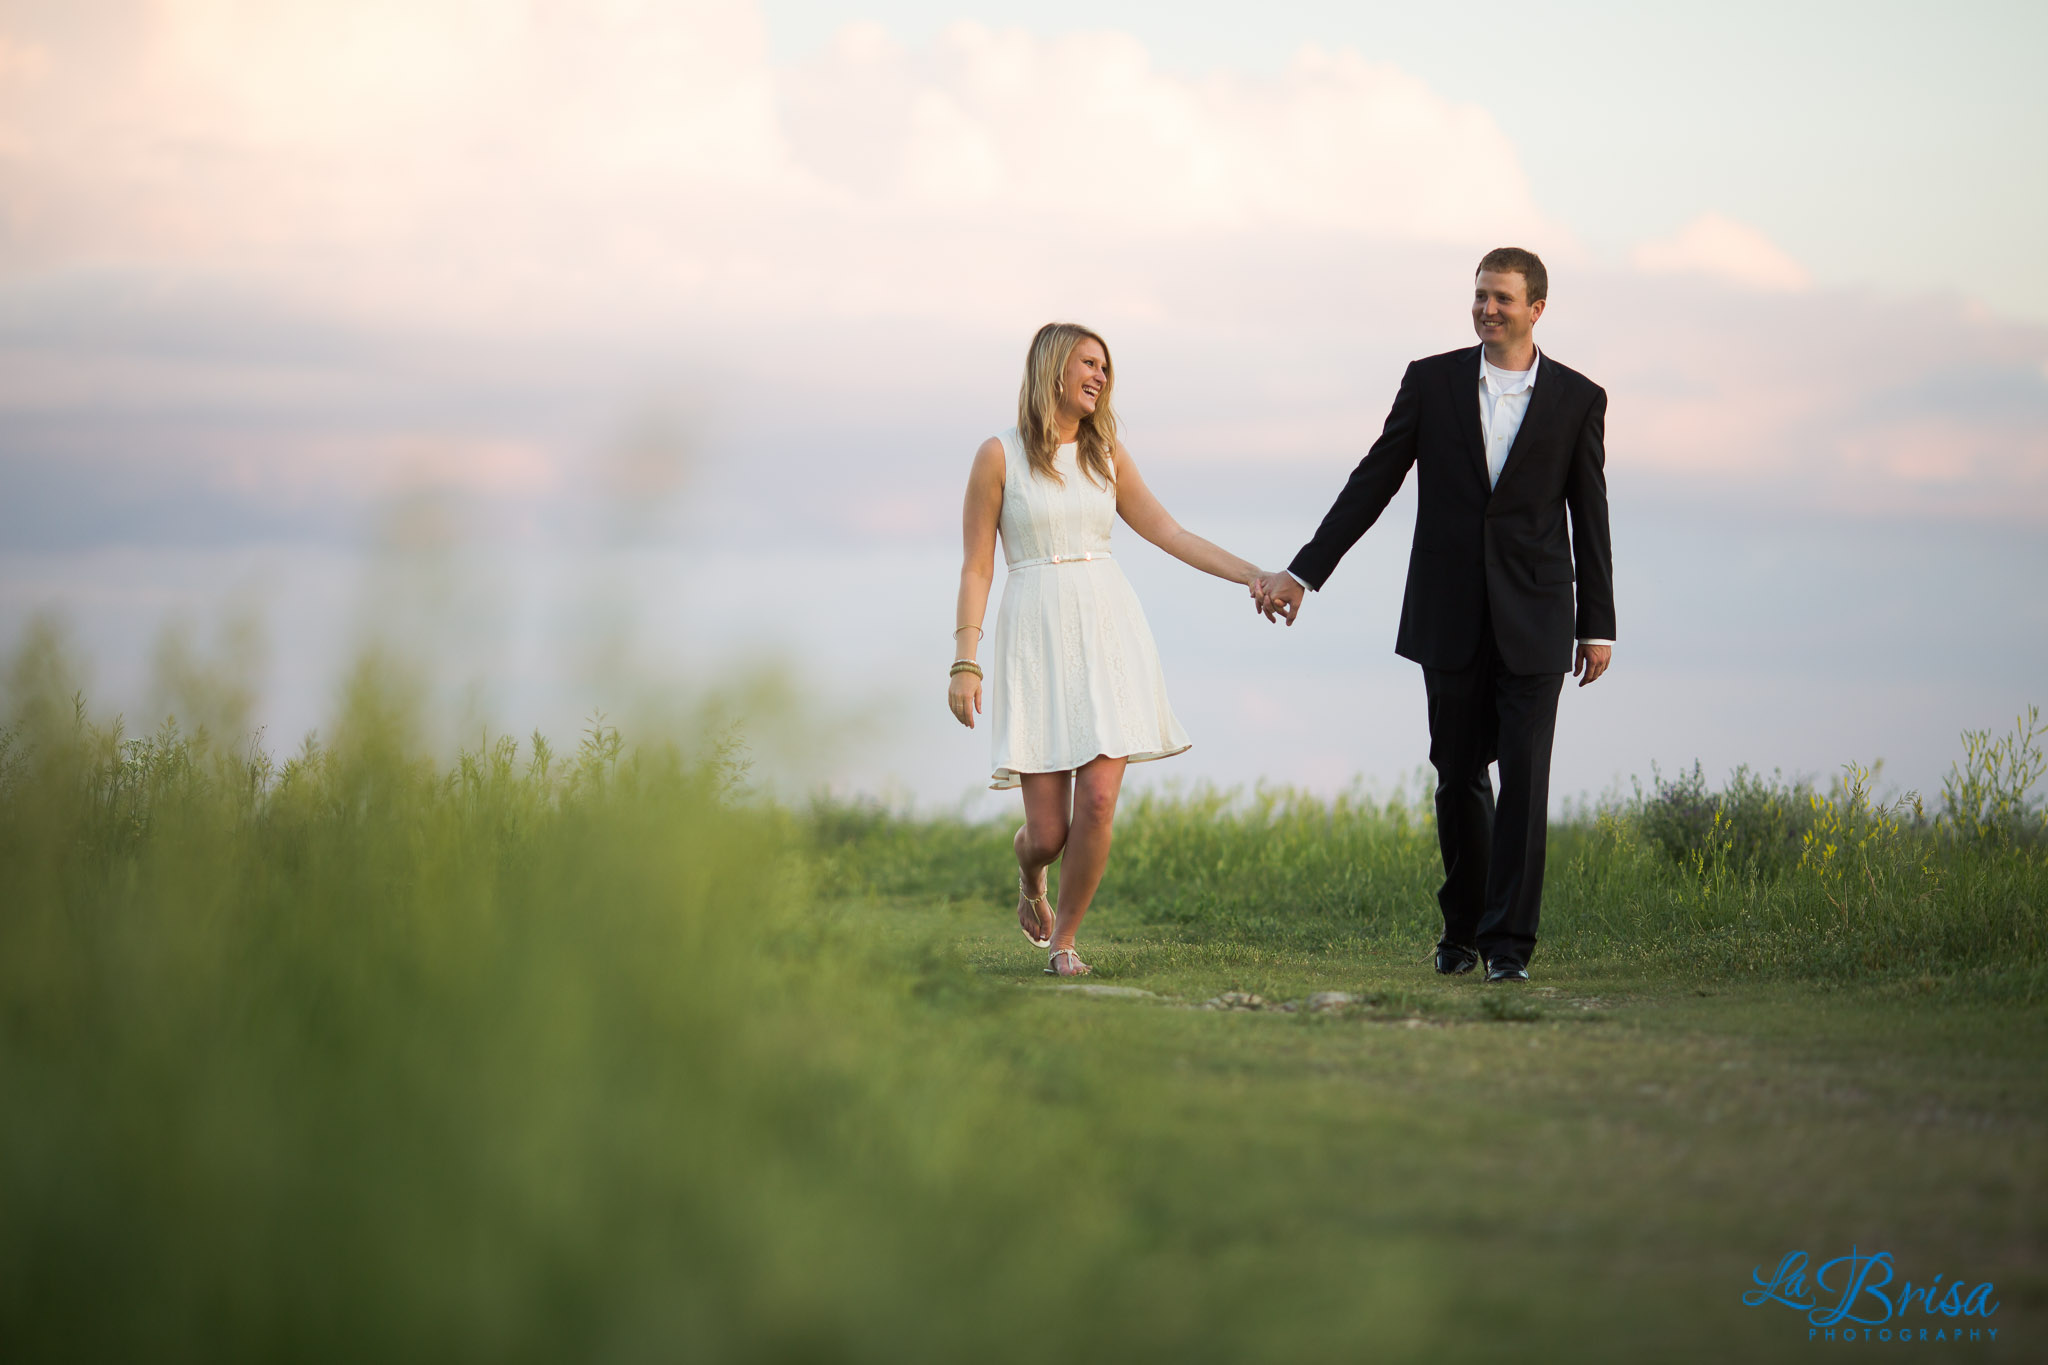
<point>978,522</point>
<point>1145,515</point>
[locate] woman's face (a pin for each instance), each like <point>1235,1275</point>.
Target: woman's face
<point>1086,375</point>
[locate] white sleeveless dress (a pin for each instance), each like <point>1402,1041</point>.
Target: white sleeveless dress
<point>1075,673</point>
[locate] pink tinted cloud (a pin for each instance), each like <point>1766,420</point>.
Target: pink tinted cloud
<point>1721,248</point>
<point>377,465</point>
<point>1847,399</point>
<point>522,165</point>
<point>445,171</point>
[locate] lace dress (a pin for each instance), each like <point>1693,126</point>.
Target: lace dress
<point>1073,671</point>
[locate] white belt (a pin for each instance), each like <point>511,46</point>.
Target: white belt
<point>1081,558</point>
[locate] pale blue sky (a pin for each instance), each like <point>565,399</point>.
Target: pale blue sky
<point>1898,146</point>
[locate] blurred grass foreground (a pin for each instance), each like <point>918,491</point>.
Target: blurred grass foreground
<point>358,1055</point>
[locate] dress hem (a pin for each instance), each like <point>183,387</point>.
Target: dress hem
<point>1009,779</point>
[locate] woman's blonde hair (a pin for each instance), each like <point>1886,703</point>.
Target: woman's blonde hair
<point>1038,405</point>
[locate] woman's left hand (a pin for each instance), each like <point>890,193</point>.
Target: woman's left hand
<point>964,697</point>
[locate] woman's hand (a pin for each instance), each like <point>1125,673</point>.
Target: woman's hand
<point>979,519</point>
<point>963,695</point>
<point>1278,597</point>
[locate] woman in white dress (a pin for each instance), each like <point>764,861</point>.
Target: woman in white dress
<point>1074,681</point>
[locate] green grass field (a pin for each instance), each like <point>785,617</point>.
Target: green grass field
<point>539,1056</point>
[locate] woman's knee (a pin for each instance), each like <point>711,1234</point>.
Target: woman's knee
<point>1046,838</point>
<point>1094,805</point>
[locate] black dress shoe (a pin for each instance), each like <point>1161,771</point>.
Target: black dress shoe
<point>1454,960</point>
<point>1505,970</point>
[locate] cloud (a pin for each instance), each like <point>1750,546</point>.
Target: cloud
<point>21,62</point>
<point>432,160</point>
<point>474,235</point>
<point>1726,250</point>
<point>534,166</point>
<point>1082,128</point>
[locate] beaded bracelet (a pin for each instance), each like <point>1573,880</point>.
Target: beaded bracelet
<point>964,666</point>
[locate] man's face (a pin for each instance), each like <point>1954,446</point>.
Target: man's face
<point>1501,311</point>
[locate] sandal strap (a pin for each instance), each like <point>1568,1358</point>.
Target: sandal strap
<point>1052,964</point>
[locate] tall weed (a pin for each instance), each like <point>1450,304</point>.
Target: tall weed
<point>1761,875</point>
<point>535,1056</point>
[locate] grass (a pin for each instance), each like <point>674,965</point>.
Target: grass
<point>542,1056</point>
<point>1595,1165</point>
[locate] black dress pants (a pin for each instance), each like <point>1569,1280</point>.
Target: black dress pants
<point>1493,854</point>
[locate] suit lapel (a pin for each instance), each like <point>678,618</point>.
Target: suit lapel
<point>1465,400</point>
<point>1543,401</point>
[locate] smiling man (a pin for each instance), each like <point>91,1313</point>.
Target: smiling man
<point>1508,448</point>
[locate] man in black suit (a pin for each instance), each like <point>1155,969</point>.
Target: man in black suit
<point>1507,444</point>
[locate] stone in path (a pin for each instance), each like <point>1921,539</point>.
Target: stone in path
<point>1106,992</point>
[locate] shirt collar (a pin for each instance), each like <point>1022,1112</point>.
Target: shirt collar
<point>1499,381</point>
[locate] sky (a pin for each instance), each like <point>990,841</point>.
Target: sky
<point>1887,145</point>
<point>613,355</point>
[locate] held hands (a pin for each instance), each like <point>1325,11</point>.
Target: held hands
<point>1276,596</point>
<point>1592,660</point>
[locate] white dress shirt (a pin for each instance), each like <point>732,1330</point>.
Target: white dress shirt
<point>1503,403</point>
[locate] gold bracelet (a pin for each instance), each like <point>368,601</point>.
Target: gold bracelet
<point>964,666</point>
<point>976,629</point>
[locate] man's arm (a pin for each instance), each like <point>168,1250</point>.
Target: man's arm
<point>1367,492</point>
<point>1585,495</point>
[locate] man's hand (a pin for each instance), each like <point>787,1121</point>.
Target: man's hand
<point>1592,660</point>
<point>1277,596</point>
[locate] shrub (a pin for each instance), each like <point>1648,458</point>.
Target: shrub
<point>1754,822</point>
<point>1988,797</point>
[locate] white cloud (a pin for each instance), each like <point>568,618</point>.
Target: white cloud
<point>448,177</point>
<point>1082,127</point>
<point>527,165</point>
<point>394,158</point>
<point>1727,250</point>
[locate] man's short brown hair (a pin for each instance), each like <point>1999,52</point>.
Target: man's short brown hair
<point>1504,259</point>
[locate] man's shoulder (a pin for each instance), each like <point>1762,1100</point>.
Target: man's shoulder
<point>1556,371</point>
<point>1466,357</point>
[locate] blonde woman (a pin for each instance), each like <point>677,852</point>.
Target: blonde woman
<point>1075,688</point>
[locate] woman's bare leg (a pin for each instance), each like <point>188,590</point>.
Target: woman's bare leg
<point>1044,834</point>
<point>1096,785</point>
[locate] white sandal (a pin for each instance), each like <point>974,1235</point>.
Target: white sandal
<point>1030,899</point>
<point>1052,965</point>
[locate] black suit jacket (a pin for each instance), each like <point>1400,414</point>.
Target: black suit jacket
<point>1501,553</point>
